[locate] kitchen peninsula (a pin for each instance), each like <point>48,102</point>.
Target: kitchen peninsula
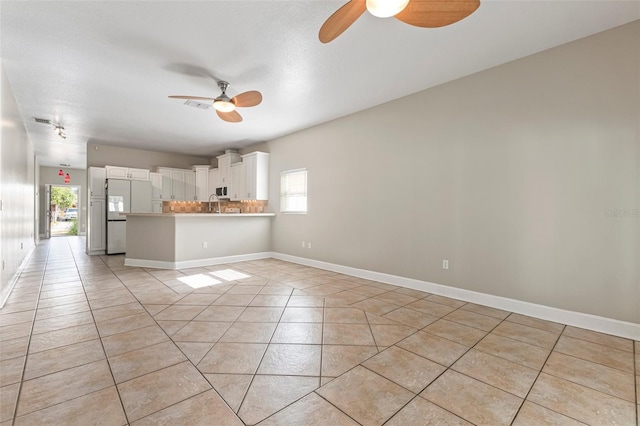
<point>187,240</point>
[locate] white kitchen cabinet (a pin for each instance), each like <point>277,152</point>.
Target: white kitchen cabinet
<point>189,186</point>
<point>156,186</point>
<point>213,181</point>
<point>96,240</point>
<point>256,175</point>
<point>173,184</point>
<point>178,184</point>
<point>117,172</point>
<point>224,167</point>
<point>202,182</point>
<point>156,206</point>
<point>236,182</point>
<point>97,176</point>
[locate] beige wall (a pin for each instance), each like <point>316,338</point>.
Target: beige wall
<point>105,155</point>
<point>509,174</point>
<point>17,190</point>
<point>78,177</point>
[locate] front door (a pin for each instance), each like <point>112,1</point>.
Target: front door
<point>47,213</point>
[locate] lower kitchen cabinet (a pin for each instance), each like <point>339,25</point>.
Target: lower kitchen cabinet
<point>97,226</point>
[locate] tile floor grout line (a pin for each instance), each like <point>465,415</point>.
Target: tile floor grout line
<point>324,317</point>
<point>170,339</point>
<point>255,373</point>
<point>33,323</point>
<point>217,341</point>
<point>104,351</point>
<point>526,398</point>
<point>324,303</point>
<point>636,370</point>
<point>163,330</point>
<point>449,367</point>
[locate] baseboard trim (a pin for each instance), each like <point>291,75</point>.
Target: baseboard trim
<point>185,264</point>
<point>624,329</point>
<point>16,275</point>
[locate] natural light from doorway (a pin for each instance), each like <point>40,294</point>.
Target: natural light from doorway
<point>206,280</point>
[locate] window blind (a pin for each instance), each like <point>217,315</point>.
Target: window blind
<point>293,191</point>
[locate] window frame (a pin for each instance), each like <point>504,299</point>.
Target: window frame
<point>306,191</point>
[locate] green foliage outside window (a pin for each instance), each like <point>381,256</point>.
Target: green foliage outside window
<point>63,197</point>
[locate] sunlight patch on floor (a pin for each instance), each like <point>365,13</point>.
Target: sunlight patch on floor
<point>199,280</point>
<point>229,274</point>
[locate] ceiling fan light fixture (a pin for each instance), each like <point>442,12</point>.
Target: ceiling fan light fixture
<point>386,8</point>
<point>223,105</point>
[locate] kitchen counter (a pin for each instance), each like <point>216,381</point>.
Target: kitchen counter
<point>200,214</point>
<point>188,240</point>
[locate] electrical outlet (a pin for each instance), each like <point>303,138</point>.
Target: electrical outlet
<point>445,264</point>
<point>308,245</point>
<point>303,244</point>
<point>204,244</point>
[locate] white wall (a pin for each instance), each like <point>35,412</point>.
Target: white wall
<point>510,174</point>
<point>17,191</point>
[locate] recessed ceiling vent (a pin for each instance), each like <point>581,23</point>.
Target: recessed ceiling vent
<point>197,104</point>
<point>42,120</point>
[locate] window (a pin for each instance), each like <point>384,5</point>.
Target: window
<point>293,191</point>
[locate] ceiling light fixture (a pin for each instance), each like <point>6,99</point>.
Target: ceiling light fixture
<point>60,131</point>
<point>223,105</point>
<point>386,8</point>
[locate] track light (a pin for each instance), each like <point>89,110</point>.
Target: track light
<point>60,131</point>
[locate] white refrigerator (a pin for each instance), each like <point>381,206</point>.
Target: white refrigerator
<point>124,196</point>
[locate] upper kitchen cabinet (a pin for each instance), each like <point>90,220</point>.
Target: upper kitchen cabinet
<point>156,185</point>
<point>189,185</point>
<point>202,183</point>
<point>213,181</point>
<point>116,172</point>
<point>224,167</point>
<point>97,176</point>
<point>236,187</point>
<point>173,184</point>
<point>156,192</point>
<point>256,176</point>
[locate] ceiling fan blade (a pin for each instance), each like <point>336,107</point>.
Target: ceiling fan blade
<point>247,99</point>
<point>199,98</point>
<point>341,20</point>
<point>437,13</point>
<point>231,117</point>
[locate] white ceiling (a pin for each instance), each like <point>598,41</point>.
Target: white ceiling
<point>104,69</point>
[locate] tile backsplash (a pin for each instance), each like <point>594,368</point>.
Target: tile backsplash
<point>203,207</point>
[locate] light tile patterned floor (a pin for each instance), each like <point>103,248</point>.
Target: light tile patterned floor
<point>85,340</point>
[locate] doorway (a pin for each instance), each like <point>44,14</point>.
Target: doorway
<point>63,210</point>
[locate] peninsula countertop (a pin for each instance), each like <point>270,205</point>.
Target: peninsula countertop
<point>191,215</point>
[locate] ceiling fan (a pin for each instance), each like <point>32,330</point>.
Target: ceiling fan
<point>420,13</point>
<point>226,107</point>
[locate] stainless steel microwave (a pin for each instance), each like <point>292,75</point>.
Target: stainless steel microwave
<point>221,191</point>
